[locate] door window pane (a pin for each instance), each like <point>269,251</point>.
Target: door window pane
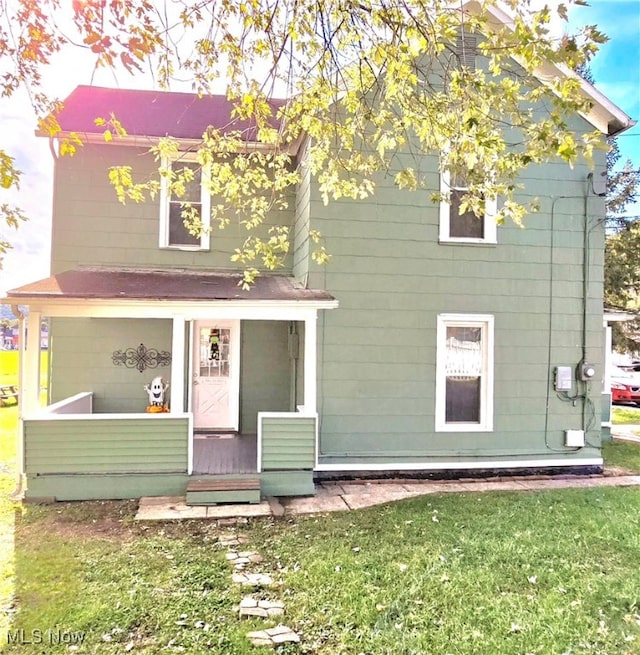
<point>214,352</point>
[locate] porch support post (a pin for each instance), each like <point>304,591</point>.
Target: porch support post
<point>176,389</point>
<point>30,356</point>
<point>310,361</point>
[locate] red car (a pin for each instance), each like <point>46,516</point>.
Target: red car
<point>625,386</point>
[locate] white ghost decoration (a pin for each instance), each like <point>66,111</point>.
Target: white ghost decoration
<point>156,391</point>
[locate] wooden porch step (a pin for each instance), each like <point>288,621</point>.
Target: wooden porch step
<point>214,490</point>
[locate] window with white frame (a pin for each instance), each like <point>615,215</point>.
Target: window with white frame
<point>464,373</point>
<point>465,227</point>
<point>174,233</point>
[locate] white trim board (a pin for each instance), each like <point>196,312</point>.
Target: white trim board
<point>291,310</point>
<point>457,465</point>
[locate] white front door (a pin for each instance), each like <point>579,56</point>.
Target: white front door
<point>216,375</point>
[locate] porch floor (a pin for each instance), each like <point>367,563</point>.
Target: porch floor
<point>220,454</point>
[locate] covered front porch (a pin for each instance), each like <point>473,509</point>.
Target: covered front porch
<point>90,444</point>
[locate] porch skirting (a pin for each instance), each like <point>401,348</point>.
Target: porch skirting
<point>99,486</point>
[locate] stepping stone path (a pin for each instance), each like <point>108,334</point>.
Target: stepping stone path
<point>250,606</point>
<point>273,636</point>
<point>256,607</point>
<point>229,540</point>
<point>252,579</point>
<point>241,559</point>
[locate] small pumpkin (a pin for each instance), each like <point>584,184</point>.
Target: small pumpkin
<point>155,409</point>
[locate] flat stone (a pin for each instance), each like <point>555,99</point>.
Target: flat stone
<point>229,540</point>
<point>276,506</point>
<point>486,486</point>
<point>622,481</point>
<point>231,556</point>
<point>315,505</point>
<point>260,638</point>
<point>170,512</point>
<point>238,511</point>
<point>329,489</point>
<point>253,611</point>
<point>384,487</point>
<point>455,487</point>
<point>250,606</point>
<point>160,500</point>
<point>241,561</point>
<point>362,500</point>
<point>231,520</point>
<point>282,634</point>
<point>252,579</point>
<point>420,488</point>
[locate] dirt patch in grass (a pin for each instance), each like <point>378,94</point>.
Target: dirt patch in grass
<point>112,520</point>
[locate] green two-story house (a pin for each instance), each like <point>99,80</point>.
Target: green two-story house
<point>431,344</point>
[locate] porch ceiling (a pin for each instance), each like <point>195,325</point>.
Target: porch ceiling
<point>162,285</point>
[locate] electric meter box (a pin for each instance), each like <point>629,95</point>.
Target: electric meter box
<point>563,379</point>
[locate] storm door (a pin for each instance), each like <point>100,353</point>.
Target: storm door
<point>216,375</point>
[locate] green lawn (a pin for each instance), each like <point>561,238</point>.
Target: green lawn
<point>621,415</point>
<point>550,573</point>
<point>9,367</point>
<point>544,573</point>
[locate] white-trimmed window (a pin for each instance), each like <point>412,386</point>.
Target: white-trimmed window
<point>173,231</point>
<point>466,227</point>
<point>464,373</point>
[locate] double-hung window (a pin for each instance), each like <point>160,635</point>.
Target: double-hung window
<point>464,373</point>
<point>185,217</point>
<point>465,227</point>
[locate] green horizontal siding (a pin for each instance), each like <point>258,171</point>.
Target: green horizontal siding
<point>98,486</point>
<point>144,444</point>
<point>288,443</point>
<point>287,483</point>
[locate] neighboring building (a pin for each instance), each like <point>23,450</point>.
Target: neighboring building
<point>429,345</point>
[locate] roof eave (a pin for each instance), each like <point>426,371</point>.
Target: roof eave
<point>604,115</point>
<point>132,140</point>
<point>51,305</point>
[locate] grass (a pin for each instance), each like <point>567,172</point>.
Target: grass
<point>502,573</point>
<point>623,415</point>
<point>622,455</point>
<point>9,367</point>
<point>547,573</point>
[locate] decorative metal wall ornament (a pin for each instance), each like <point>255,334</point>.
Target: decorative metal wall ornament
<point>141,357</point>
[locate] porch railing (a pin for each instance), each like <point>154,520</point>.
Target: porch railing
<point>68,438</point>
<point>287,441</point>
<point>81,403</point>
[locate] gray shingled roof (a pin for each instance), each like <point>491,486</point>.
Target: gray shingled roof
<point>176,285</point>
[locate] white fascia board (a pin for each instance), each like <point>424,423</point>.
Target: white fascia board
<point>149,141</point>
<point>290,310</point>
<point>603,114</point>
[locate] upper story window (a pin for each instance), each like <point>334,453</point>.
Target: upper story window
<point>465,227</point>
<point>464,373</point>
<point>173,231</point>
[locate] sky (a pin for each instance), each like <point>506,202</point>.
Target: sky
<point>616,70</point>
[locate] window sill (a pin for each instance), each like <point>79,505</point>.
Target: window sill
<point>463,427</point>
<point>468,242</point>
<point>185,248</point>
